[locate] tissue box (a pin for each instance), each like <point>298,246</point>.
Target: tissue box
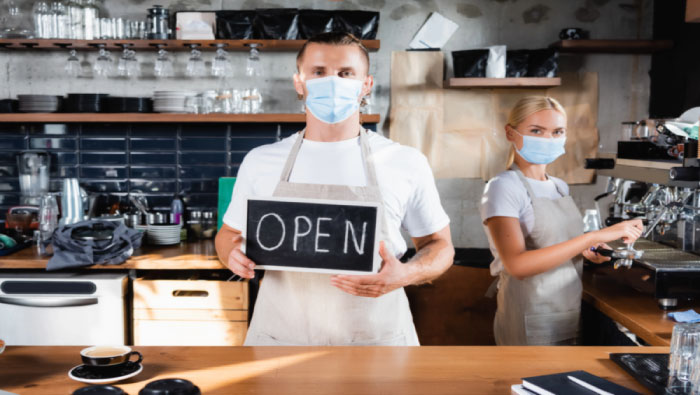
<point>195,25</point>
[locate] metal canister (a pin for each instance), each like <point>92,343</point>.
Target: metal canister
<point>133,219</point>
<point>161,219</point>
<point>150,218</point>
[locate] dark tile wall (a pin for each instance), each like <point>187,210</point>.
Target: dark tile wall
<point>159,160</point>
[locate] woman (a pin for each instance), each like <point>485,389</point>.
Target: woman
<point>535,233</point>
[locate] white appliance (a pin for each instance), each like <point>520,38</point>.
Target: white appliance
<point>62,308</point>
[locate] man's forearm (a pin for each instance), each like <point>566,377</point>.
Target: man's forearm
<point>430,261</point>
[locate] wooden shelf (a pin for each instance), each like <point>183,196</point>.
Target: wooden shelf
<point>612,46</point>
<point>162,118</point>
<point>524,82</point>
<point>172,45</point>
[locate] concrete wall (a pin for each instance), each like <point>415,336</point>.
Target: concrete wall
<point>624,81</point>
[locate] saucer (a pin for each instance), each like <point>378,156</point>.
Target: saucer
<point>100,375</point>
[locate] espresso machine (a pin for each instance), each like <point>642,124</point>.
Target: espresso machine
<point>656,178</point>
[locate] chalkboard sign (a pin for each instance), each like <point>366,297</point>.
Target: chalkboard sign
<point>313,235</point>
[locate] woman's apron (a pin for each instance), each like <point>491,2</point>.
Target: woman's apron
<point>295,308</point>
<point>543,309</point>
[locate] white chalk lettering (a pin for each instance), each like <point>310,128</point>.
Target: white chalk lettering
<point>297,235</point>
<point>319,234</point>
<point>350,229</point>
<point>257,232</point>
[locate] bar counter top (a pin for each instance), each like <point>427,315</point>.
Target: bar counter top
<point>199,255</point>
<point>323,370</point>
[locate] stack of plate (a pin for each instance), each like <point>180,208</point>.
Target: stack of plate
<point>163,234</point>
<point>39,103</point>
<point>171,101</point>
<point>129,104</point>
<point>9,105</point>
<point>84,102</point>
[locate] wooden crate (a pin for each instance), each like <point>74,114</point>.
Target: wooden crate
<point>183,312</point>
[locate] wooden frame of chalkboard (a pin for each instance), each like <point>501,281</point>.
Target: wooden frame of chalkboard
<point>313,235</point>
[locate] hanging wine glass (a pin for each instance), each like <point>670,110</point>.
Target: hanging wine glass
<point>73,67</point>
<point>195,65</point>
<point>163,66</point>
<point>104,66</point>
<point>221,65</point>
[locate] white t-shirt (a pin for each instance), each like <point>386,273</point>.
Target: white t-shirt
<point>405,179</point>
<point>506,196</point>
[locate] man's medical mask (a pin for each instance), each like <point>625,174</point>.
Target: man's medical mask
<point>333,99</point>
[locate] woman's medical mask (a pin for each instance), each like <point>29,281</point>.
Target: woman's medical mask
<point>333,99</point>
<point>541,150</point>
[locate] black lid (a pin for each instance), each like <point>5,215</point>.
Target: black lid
<point>158,10</point>
<point>170,387</point>
<point>99,390</point>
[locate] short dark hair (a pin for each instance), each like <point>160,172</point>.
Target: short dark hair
<point>334,38</point>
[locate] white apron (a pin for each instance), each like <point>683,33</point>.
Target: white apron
<point>543,309</point>
<point>295,308</point>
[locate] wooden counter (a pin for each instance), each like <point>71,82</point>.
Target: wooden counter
<point>323,370</point>
<point>634,310</point>
<point>185,256</point>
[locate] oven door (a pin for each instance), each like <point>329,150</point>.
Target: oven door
<point>64,309</point>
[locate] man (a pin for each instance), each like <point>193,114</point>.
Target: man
<point>335,158</point>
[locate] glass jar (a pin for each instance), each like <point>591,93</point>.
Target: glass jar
<point>208,225</point>
<point>59,23</point>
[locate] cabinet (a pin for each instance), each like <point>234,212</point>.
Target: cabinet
<point>189,312</point>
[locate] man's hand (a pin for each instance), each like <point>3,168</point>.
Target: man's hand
<point>238,263</point>
<point>391,276</point>
<point>228,248</point>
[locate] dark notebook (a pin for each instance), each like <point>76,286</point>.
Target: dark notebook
<point>560,384</point>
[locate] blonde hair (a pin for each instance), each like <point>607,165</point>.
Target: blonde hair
<point>526,107</point>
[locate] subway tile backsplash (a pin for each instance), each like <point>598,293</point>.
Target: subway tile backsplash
<point>159,160</point>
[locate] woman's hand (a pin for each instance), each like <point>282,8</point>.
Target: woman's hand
<point>628,231</point>
<point>595,257</point>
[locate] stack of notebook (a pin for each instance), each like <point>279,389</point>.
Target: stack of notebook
<point>569,383</point>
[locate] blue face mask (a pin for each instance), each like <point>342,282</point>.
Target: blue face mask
<point>541,150</point>
<point>333,99</point>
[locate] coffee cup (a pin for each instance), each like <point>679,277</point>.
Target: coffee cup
<point>107,356</point>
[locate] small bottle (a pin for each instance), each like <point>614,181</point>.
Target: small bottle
<point>176,209</point>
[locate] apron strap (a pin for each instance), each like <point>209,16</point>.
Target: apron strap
<point>292,158</point>
<point>526,184</point>
<point>367,158</point>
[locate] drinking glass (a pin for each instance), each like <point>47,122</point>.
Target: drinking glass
<point>695,379</point>
<point>73,67</point>
<point>42,20</point>
<point>685,341</point>
<point>106,28</point>
<point>104,66</point>
<point>195,65</point>
<point>163,66</point>
<point>59,22</point>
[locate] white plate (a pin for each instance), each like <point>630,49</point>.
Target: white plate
<point>107,380</point>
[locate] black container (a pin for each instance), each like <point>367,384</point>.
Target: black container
<point>517,63</point>
<point>235,25</point>
<point>690,149</point>
<point>543,63</point>
<point>277,24</point>
<point>9,105</point>
<point>362,24</point>
<point>313,22</point>
<point>470,63</point>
